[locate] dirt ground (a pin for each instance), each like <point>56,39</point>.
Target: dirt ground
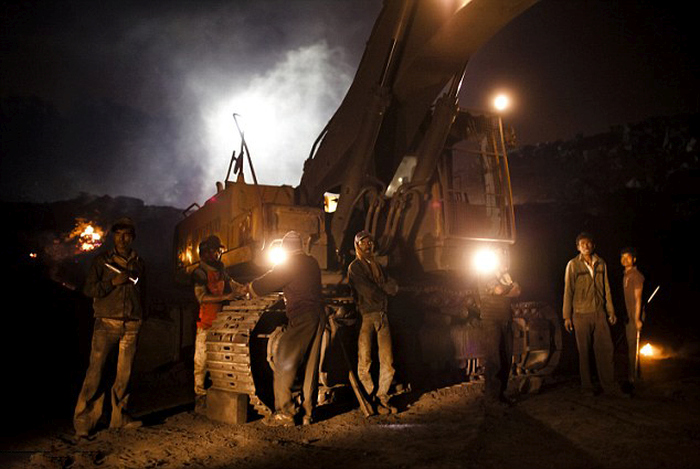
<point>449,427</point>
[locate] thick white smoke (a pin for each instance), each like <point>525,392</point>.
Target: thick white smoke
<point>145,93</point>
<point>281,112</point>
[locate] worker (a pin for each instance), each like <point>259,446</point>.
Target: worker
<point>495,296</point>
<point>587,310</point>
<point>115,283</point>
<point>299,278</point>
<point>372,289</point>
<point>632,286</point>
<point>212,288</point>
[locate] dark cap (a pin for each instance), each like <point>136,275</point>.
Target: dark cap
<point>124,223</point>
<point>292,241</point>
<point>362,235</point>
<point>212,242</point>
<point>629,250</point>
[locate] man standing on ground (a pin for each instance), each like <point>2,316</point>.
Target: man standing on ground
<point>299,278</point>
<point>372,289</point>
<point>495,295</point>
<point>212,287</point>
<point>632,285</point>
<point>587,310</point>
<point>115,282</point>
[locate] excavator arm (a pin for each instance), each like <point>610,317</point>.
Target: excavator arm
<point>417,48</point>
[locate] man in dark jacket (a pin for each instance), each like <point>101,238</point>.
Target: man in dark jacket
<point>372,289</point>
<point>299,278</point>
<point>587,310</point>
<point>115,283</point>
<point>495,294</point>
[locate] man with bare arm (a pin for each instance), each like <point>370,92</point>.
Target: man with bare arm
<point>632,285</point>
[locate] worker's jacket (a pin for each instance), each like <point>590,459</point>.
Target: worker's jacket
<point>209,279</point>
<point>299,278</point>
<point>496,307</point>
<point>371,289</point>
<point>116,302</point>
<point>585,293</point>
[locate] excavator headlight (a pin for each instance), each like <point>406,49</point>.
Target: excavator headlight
<point>486,261</point>
<point>276,254</point>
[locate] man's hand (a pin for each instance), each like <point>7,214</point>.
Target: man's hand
<point>238,288</point>
<point>120,279</point>
<point>612,319</point>
<point>568,325</point>
<point>639,324</point>
<point>391,287</point>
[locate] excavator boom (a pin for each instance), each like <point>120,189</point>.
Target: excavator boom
<point>416,48</point>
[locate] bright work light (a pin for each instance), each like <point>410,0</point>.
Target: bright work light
<point>486,261</point>
<point>276,254</point>
<point>501,102</point>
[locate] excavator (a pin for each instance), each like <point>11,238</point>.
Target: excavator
<point>401,159</point>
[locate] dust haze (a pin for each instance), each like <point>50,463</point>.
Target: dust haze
<point>141,97</point>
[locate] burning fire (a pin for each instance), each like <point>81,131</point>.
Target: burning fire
<point>186,256</point>
<point>89,236</point>
<point>647,350</point>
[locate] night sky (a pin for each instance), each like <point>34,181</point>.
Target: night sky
<point>135,98</point>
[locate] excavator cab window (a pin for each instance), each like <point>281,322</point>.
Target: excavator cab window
<point>330,202</point>
<point>403,174</point>
<point>477,194</point>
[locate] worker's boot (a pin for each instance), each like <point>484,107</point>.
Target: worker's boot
<point>384,408</point>
<point>308,417</point>
<point>125,422</point>
<point>200,404</point>
<point>279,419</point>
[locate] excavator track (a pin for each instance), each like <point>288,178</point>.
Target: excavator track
<point>538,338</point>
<point>237,348</point>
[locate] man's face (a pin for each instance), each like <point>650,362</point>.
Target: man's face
<point>366,246</point>
<point>585,246</point>
<point>123,239</point>
<point>211,254</point>
<point>627,260</point>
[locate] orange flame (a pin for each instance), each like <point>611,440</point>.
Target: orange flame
<point>88,235</point>
<point>647,350</point>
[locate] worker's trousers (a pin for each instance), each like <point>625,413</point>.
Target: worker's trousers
<point>375,324</point>
<point>299,344</point>
<point>498,355</point>
<point>109,334</point>
<point>631,335</point>
<point>592,331</point>
<point>200,361</point>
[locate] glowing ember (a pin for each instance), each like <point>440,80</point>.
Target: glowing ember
<point>647,350</point>
<point>32,255</point>
<point>88,235</point>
